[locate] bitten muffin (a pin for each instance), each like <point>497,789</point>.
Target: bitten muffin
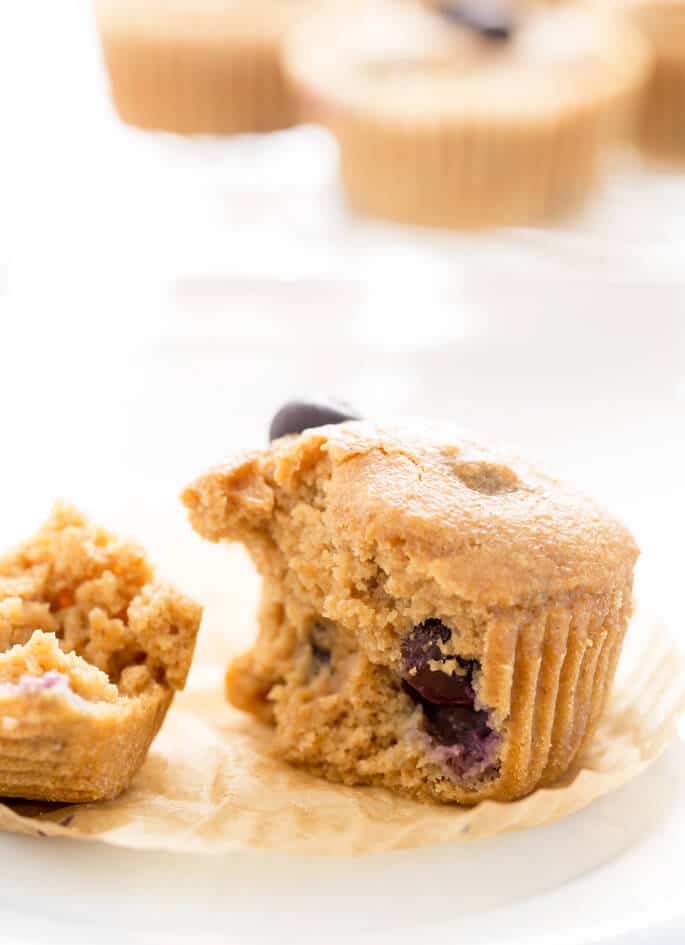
<point>198,66</point>
<point>449,118</point>
<point>436,617</point>
<point>92,650</point>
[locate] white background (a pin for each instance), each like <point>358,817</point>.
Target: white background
<point>159,298</point>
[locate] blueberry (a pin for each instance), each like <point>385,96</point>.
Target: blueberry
<point>320,645</point>
<point>440,688</point>
<point>447,700</point>
<point>493,19</point>
<point>299,415</point>
<point>321,657</point>
<point>419,650</point>
<point>457,725</point>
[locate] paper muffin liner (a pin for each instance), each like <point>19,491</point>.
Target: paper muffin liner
<point>472,177</point>
<point>60,753</point>
<point>191,86</point>
<point>563,662</point>
<point>475,175</point>
<point>661,128</point>
<point>211,784</point>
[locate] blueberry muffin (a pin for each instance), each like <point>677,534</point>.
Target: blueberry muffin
<point>436,617</point>
<point>451,115</point>
<point>198,66</point>
<point>92,650</point>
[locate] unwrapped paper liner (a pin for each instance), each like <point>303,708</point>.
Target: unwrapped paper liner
<point>209,784</point>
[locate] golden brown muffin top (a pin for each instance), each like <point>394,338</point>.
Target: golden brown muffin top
<point>484,524</point>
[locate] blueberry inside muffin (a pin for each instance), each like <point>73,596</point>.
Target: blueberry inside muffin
<point>437,617</point>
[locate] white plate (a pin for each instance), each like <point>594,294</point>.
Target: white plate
<point>609,874</point>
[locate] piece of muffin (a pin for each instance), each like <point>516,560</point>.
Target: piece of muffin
<point>198,66</point>
<point>467,121</point>
<point>93,649</point>
<point>436,617</point>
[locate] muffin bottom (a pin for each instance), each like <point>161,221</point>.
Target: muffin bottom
<point>92,649</point>
<point>197,89</point>
<point>464,180</point>
<point>342,716</point>
<point>66,733</point>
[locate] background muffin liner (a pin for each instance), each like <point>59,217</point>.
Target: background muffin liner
<point>209,784</point>
<point>661,132</point>
<point>192,84</point>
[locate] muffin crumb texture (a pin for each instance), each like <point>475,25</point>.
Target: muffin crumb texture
<point>92,648</point>
<point>436,617</point>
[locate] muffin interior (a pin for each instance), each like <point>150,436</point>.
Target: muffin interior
<point>422,730</point>
<point>40,667</point>
<point>93,598</point>
<point>368,671</point>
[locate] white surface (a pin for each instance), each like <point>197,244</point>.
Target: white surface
<point>158,298</point>
<point>592,879</point>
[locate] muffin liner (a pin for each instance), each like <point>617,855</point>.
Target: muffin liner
<point>190,84</point>
<point>661,129</point>
<point>563,662</point>
<point>210,785</point>
<point>52,750</point>
<point>463,180</point>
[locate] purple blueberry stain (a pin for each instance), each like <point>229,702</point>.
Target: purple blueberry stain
<point>36,684</point>
<point>420,651</point>
<point>460,731</point>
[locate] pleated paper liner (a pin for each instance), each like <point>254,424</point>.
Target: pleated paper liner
<point>210,69</point>
<point>661,131</point>
<point>209,784</point>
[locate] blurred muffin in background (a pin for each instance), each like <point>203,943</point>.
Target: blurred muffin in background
<point>466,114</point>
<point>661,128</point>
<point>198,66</point>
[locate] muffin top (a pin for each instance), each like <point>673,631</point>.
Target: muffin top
<point>484,524</point>
<point>207,21</point>
<point>415,60</point>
